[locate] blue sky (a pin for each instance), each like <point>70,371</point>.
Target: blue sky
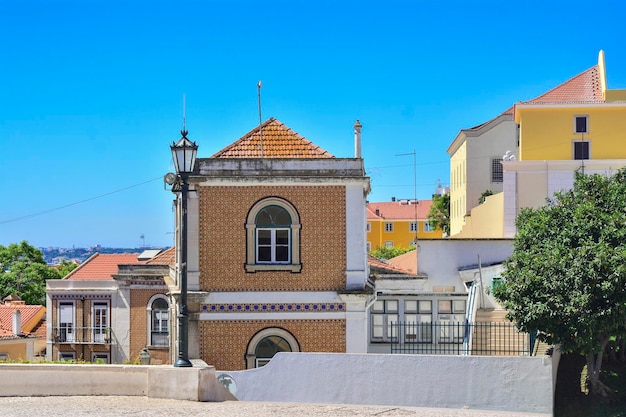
<point>91,92</point>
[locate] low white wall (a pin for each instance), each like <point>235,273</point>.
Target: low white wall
<point>197,383</point>
<point>522,384</point>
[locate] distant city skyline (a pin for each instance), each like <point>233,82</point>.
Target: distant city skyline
<point>92,93</point>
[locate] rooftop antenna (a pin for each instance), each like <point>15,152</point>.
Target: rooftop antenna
<point>259,85</point>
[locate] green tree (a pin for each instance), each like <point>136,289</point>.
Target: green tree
<point>388,253</point>
<point>23,271</point>
<point>566,276</point>
<point>65,267</point>
<point>484,195</point>
<point>439,215</point>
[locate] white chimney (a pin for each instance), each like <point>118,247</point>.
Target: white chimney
<point>17,323</point>
<point>357,139</point>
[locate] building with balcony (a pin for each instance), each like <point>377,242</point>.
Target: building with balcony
<point>109,308</point>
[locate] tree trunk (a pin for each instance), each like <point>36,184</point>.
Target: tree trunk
<point>594,364</point>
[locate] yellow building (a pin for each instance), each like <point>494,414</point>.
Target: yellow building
<point>398,223</point>
<point>578,125</point>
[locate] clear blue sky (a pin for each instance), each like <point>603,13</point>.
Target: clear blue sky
<point>91,92</point>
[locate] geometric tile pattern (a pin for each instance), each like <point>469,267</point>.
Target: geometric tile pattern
<point>224,344</point>
<point>273,308</point>
<point>223,211</point>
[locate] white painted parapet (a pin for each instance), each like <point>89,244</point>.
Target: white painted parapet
<point>521,384</point>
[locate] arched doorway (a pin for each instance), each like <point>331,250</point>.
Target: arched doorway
<point>268,342</point>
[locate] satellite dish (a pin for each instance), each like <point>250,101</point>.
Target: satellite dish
<point>170,178</point>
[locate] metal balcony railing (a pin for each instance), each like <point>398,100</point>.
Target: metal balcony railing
<point>458,338</point>
<point>82,335</point>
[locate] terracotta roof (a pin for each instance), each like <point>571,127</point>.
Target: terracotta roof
<point>278,141</point>
<point>583,88</point>
<point>31,315</point>
<point>167,257</point>
<point>102,266</point>
<point>398,210</point>
<point>378,266</point>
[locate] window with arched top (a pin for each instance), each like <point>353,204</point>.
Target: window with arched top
<point>267,343</point>
<point>158,321</point>
<point>273,236</point>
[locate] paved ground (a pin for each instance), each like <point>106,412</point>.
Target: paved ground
<point>142,406</point>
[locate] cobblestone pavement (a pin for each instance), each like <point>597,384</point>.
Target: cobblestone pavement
<point>143,406</point>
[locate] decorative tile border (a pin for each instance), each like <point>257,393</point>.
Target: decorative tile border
<point>81,296</point>
<point>274,308</point>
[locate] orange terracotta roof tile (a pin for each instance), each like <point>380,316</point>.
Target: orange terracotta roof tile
<point>398,210</point>
<point>275,141</point>
<point>582,88</point>
<point>102,266</point>
<point>378,266</point>
<point>167,257</point>
<point>28,313</point>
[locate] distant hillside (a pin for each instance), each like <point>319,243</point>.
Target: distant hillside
<point>53,256</point>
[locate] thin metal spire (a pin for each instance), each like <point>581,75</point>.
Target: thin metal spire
<point>184,114</point>
<point>259,84</point>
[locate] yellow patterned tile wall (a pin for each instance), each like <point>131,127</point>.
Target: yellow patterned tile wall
<point>223,211</point>
<point>223,344</point>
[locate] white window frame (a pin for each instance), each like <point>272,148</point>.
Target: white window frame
<point>164,335</point>
<point>413,227</point>
<point>389,227</point>
<point>274,246</point>
<point>369,227</point>
<point>428,227</point>
<point>389,244</point>
<point>100,314</point>
<point>294,263</point>
<point>251,359</point>
<point>66,330</point>
<point>576,118</point>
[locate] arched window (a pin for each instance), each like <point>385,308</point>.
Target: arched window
<point>158,321</point>
<point>273,237</point>
<point>268,342</point>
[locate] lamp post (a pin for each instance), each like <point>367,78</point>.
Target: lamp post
<point>184,154</point>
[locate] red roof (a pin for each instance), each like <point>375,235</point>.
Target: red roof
<point>28,313</point>
<point>275,141</point>
<point>399,210</point>
<point>381,267</point>
<point>102,266</point>
<point>583,88</point>
<point>167,257</point>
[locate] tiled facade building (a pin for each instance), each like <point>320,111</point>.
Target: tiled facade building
<point>276,250</point>
<point>109,309</point>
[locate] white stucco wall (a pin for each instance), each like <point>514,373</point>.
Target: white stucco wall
<point>522,384</point>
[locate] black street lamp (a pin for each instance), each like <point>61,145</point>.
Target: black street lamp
<point>184,154</point>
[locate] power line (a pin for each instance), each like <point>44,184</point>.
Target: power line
<point>39,213</point>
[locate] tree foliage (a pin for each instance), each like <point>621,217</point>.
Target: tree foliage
<point>566,276</point>
<point>484,195</point>
<point>388,253</point>
<point>23,271</point>
<point>439,215</point>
